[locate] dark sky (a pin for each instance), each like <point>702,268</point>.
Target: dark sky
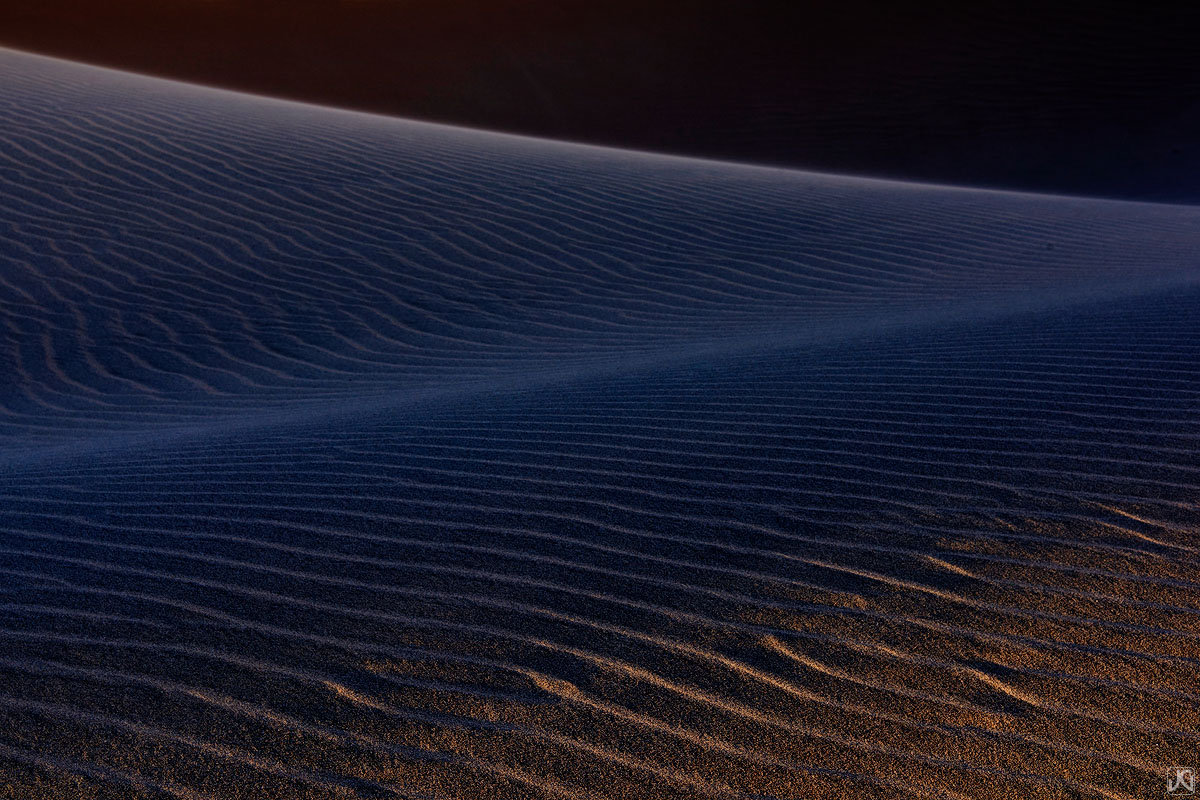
<point>1088,98</point>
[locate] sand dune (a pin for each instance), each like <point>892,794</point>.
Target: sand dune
<point>344,456</point>
<point>1097,98</point>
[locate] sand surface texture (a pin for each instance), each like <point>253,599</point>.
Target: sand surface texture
<point>343,456</point>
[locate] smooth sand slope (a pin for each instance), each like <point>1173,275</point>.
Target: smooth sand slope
<point>351,457</point>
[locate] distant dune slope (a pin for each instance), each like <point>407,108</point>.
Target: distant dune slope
<point>1097,98</point>
<point>343,456</point>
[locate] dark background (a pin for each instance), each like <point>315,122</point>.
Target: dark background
<point>1084,98</point>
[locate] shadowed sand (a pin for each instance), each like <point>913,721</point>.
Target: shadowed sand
<point>343,456</point>
<point>1091,98</point>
